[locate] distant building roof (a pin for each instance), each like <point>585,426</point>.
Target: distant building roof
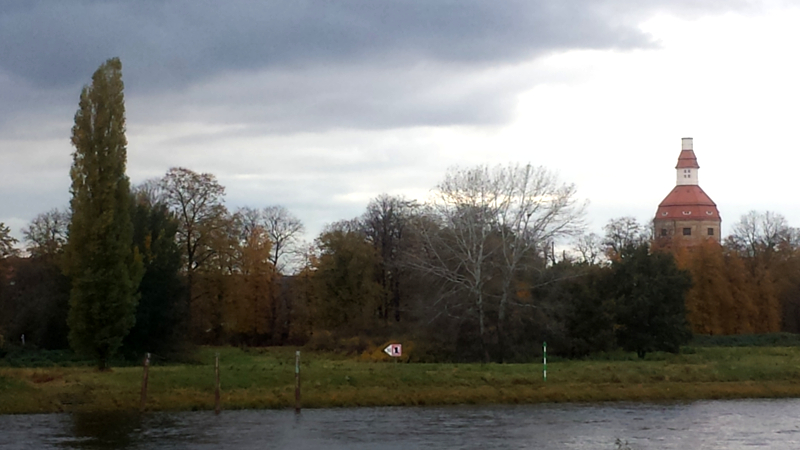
<point>687,202</point>
<point>687,160</point>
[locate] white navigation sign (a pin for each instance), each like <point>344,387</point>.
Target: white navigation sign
<point>394,350</point>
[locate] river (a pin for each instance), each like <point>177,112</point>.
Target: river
<point>729,424</point>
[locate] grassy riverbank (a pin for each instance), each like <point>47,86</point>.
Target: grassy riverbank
<point>264,378</point>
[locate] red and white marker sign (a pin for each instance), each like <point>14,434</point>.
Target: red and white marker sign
<point>394,350</point>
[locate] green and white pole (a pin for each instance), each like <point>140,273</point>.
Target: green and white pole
<point>544,349</point>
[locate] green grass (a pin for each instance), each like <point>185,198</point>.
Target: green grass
<point>264,378</point>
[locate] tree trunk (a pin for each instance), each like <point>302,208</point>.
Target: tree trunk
<point>482,328</point>
<point>501,339</point>
<point>501,321</point>
<point>396,299</point>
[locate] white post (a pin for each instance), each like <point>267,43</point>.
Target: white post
<point>544,347</point>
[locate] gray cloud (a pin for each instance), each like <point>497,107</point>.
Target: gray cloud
<point>281,68</point>
<point>363,97</point>
<point>302,64</point>
<point>56,43</point>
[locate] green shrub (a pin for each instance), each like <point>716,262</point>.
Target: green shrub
<point>29,356</point>
<point>325,341</point>
<point>748,340</point>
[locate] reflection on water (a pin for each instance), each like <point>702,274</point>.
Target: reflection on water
<point>765,424</point>
<point>98,430</point>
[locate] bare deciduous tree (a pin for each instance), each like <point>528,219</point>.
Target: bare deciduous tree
<point>759,233</point>
<point>385,224</point>
<point>588,246</point>
<point>456,237</point>
<point>623,232</point>
<point>285,231</point>
<point>46,235</point>
<point>151,191</point>
<point>485,223</point>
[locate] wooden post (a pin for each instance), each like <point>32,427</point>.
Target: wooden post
<point>216,390</point>
<point>297,381</point>
<point>145,374</point>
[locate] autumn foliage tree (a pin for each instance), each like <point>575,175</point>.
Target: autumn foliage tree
<point>250,309</point>
<point>764,243</point>
<point>279,231</point>
<point>197,200</point>
<point>710,299</point>
<point>104,268</point>
<point>347,293</point>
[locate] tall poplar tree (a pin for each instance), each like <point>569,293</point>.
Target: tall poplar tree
<point>100,258</point>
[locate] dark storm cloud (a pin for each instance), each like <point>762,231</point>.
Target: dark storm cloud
<point>299,64</point>
<point>55,43</point>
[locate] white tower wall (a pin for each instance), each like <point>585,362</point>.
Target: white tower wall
<point>687,175</point>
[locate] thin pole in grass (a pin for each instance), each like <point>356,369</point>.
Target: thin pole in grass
<point>145,374</point>
<point>544,353</point>
<point>216,384</point>
<point>297,381</point>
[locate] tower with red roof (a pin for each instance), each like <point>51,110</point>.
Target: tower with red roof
<point>687,215</point>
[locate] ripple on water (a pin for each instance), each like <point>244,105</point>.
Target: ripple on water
<point>704,425</point>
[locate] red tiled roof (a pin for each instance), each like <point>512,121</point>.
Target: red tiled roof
<point>687,202</point>
<point>687,160</point>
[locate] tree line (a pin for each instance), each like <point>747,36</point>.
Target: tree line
<point>478,272</point>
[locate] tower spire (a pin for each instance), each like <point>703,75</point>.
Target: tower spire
<point>687,168</point>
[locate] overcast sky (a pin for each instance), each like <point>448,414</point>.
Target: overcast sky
<point>321,106</point>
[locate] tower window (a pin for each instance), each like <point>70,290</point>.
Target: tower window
<point>663,232</point>
<point>687,231</point>
<point>710,231</point>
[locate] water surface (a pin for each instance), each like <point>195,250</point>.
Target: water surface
<point>739,424</point>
